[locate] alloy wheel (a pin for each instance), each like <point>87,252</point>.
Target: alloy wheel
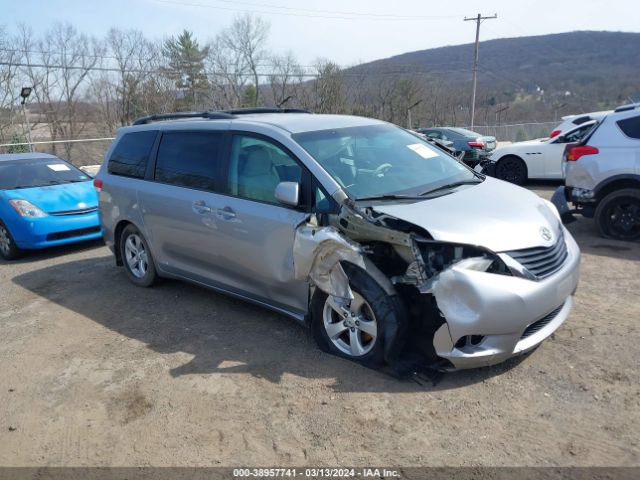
<point>136,255</point>
<point>353,330</point>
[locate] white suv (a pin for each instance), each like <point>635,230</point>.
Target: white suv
<point>603,176</point>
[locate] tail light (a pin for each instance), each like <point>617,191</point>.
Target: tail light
<point>573,153</point>
<point>555,133</point>
<point>97,184</point>
<point>478,143</point>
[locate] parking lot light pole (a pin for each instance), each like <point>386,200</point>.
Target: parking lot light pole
<point>24,93</point>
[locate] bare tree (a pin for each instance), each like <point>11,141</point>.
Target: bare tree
<point>58,66</point>
<point>285,77</point>
<point>328,87</point>
<point>134,57</point>
<point>9,59</point>
<point>228,74</point>
<point>246,39</point>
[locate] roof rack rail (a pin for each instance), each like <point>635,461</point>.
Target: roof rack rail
<point>181,115</point>
<point>625,108</point>
<point>247,111</point>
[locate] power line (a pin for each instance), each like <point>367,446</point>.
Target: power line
<point>318,14</point>
<point>332,12</point>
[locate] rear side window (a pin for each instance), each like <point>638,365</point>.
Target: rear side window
<point>131,154</point>
<point>188,159</point>
<point>630,126</point>
<point>581,120</point>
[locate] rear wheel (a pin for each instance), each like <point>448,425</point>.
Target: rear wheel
<point>136,257</point>
<point>511,169</point>
<point>618,215</point>
<point>8,248</point>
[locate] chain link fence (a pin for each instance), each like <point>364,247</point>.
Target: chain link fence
<point>517,132</point>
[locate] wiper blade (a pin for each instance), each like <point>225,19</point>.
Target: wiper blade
<point>452,185</point>
<point>390,197</point>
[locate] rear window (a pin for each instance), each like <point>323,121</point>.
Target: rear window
<point>131,154</point>
<point>630,126</point>
<point>188,159</point>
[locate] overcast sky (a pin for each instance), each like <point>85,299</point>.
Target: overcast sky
<point>346,31</point>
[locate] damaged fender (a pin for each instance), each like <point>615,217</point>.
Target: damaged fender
<point>317,253</point>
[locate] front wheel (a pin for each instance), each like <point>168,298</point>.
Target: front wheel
<point>357,330</point>
<point>618,215</point>
<point>511,169</point>
<point>8,248</point>
<point>136,257</point>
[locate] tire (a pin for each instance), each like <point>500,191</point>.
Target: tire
<point>136,257</point>
<point>372,307</point>
<point>8,248</point>
<point>617,215</point>
<point>511,168</point>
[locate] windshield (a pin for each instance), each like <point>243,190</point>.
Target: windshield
<point>380,160</point>
<point>39,172</point>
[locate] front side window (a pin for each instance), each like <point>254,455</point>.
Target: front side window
<point>257,166</point>
<point>377,160</point>
<point>131,154</point>
<point>39,172</point>
<point>188,159</point>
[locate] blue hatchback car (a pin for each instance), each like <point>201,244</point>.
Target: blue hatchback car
<point>44,202</point>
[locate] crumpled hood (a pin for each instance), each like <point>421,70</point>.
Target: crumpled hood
<point>493,214</point>
<point>59,198</point>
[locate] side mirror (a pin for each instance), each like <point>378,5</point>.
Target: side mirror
<point>288,193</point>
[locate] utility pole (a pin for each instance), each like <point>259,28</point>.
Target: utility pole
<point>478,20</point>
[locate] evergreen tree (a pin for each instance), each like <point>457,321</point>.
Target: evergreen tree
<point>186,65</point>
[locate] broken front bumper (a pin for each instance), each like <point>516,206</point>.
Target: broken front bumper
<point>501,316</point>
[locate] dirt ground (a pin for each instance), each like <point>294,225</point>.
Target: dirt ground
<point>96,372</point>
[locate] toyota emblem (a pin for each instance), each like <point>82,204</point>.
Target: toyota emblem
<point>545,233</point>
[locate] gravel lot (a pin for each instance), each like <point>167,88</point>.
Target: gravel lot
<point>98,372</point>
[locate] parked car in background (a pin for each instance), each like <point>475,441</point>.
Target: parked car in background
<point>44,201</point>
<point>474,145</point>
<point>603,176</point>
<point>373,237</point>
<point>569,122</point>
<point>537,159</point>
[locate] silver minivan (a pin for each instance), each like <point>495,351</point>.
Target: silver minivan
<point>389,249</point>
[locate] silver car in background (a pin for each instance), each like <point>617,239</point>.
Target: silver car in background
<point>389,249</point>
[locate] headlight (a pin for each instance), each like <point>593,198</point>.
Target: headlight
<point>27,209</point>
<point>480,264</point>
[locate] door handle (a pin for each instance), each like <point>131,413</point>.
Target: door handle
<point>227,213</point>
<point>200,207</point>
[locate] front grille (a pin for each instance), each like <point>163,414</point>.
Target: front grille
<point>75,212</point>
<point>72,233</point>
<point>540,324</point>
<point>542,261</point>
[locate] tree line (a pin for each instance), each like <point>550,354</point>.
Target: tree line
<point>83,85</point>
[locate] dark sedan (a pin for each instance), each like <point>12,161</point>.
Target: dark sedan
<point>475,146</point>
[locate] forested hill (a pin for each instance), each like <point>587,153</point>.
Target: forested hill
<point>601,65</point>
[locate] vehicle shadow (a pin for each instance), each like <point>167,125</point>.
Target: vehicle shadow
<point>590,243</point>
<point>54,252</point>
<point>224,335</point>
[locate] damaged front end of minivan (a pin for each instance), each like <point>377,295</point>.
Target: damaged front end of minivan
<point>465,306</point>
